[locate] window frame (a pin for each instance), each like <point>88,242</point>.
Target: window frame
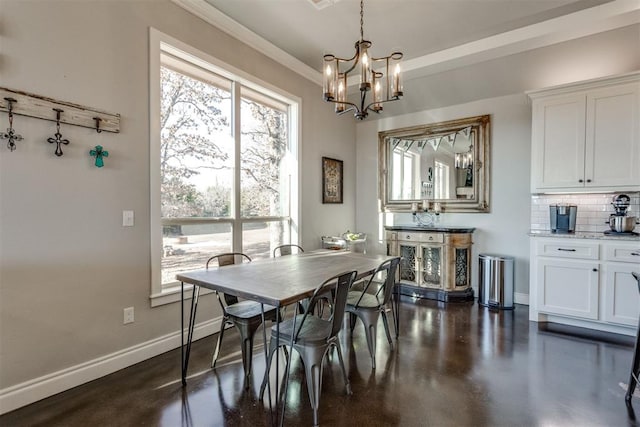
<point>158,43</point>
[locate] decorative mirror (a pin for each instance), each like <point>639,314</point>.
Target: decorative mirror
<point>440,165</point>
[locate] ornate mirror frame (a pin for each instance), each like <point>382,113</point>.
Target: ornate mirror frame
<point>480,136</point>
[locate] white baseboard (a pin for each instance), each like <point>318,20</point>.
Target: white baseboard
<point>520,298</point>
<point>31,391</point>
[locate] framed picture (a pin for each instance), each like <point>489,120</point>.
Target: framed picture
<point>331,180</point>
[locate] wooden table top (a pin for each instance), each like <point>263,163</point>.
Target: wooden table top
<point>284,280</point>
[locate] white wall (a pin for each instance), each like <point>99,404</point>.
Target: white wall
<point>504,229</point>
<point>67,266</point>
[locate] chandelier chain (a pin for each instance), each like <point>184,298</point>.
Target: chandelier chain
<point>361,20</point>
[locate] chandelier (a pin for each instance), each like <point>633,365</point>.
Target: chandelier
<point>385,81</point>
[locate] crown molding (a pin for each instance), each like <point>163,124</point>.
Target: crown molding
<point>597,19</point>
<point>213,16</point>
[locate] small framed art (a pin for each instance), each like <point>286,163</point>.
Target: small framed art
<point>331,180</point>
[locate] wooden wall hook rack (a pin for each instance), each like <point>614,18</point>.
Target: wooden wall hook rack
<point>40,107</point>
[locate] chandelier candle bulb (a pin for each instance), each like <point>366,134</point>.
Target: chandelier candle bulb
<point>364,76</point>
<point>414,207</point>
<point>397,85</point>
<point>329,82</point>
<point>425,205</point>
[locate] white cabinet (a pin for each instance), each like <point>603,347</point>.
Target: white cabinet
<point>586,136</point>
<point>585,282</point>
<point>568,288</point>
<point>621,296</point>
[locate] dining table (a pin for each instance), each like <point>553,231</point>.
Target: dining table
<point>277,282</point>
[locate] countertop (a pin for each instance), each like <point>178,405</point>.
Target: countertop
<point>584,235</point>
<point>438,228</point>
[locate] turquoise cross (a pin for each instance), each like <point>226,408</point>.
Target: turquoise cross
<point>99,153</point>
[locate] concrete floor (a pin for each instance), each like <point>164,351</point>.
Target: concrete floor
<point>454,364</point>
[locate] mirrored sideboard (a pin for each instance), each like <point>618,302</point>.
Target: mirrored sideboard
<point>436,261</point>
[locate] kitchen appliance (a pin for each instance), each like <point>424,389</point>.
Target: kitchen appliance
<point>620,222</point>
<point>562,218</point>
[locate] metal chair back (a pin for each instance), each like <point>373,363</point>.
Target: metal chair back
<point>384,293</point>
<point>287,249</point>
<point>225,259</point>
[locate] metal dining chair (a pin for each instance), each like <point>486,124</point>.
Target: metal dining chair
<point>635,365</point>
<point>244,315</point>
<point>313,336</point>
<point>370,303</point>
<point>287,250</point>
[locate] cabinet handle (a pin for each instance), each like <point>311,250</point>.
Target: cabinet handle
<point>588,180</point>
<point>566,250</point>
<point>595,269</point>
<point>635,254</point>
<point>580,180</point>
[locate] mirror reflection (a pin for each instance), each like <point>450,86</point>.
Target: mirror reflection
<point>441,162</point>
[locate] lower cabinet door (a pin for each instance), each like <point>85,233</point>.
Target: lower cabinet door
<point>568,288</point>
<point>621,298</point>
<point>409,262</point>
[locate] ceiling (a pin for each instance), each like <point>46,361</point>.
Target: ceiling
<point>434,35</point>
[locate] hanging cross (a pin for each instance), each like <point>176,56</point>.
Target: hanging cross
<point>11,137</point>
<point>58,136</point>
<point>11,134</point>
<point>58,140</point>
<point>99,153</point>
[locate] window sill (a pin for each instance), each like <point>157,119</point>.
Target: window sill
<point>171,294</point>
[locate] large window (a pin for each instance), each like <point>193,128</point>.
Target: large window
<point>223,160</point>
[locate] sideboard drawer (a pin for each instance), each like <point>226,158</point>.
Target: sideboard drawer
<point>421,237</point>
<point>569,249</point>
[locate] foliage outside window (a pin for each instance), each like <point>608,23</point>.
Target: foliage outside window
<point>225,184</point>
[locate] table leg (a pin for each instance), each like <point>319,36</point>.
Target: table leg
<point>182,372</point>
<point>395,305</point>
<point>288,368</point>
<point>192,321</point>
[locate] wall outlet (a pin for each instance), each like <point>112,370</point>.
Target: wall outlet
<point>128,315</point>
<point>127,218</point>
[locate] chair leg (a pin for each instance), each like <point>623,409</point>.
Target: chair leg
<point>370,321</point>
<point>247,331</point>
<point>352,321</point>
<point>385,321</point>
<point>370,331</point>
<point>216,353</point>
<point>267,369</point>
<point>347,384</point>
<point>312,360</point>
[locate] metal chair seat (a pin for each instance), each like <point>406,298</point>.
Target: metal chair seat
<point>314,330</point>
<point>366,300</point>
<point>249,309</point>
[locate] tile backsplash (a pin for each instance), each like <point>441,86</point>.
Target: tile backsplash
<point>593,209</point>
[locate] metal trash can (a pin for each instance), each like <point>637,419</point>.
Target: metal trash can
<point>496,278</point>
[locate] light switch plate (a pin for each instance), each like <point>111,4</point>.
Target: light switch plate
<point>127,218</point>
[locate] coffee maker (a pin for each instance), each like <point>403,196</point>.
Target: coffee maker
<point>562,218</point>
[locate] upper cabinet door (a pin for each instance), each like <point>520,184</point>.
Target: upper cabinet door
<point>558,142</point>
<point>586,136</point>
<point>612,156</point>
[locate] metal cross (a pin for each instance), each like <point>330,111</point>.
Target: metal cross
<point>58,136</point>
<point>99,153</point>
<point>10,135</point>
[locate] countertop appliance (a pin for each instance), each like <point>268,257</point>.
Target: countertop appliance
<point>562,218</point>
<point>621,222</point>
